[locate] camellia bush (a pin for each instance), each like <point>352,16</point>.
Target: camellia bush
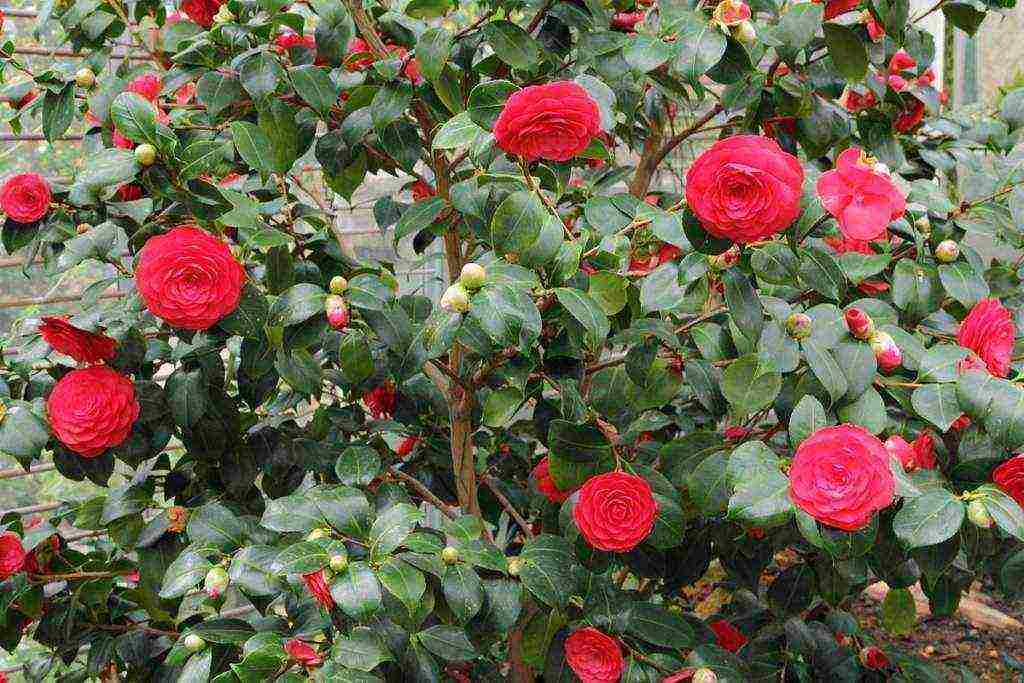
<point>777,371</point>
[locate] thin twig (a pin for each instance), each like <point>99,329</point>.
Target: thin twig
<point>447,510</point>
<point>509,508</point>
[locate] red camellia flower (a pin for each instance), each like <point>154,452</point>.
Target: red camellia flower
<point>554,121</point>
<point>841,477</point>
<point>853,101</point>
<point>909,117</point>
<point>594,656</point>
<point>290,39</point>
<point>406,446</point>
<point>129,192</point>
<point>12,555</point>
<point>92,409</point>
<point>873,658</point>
<point>85,347</point>
<point>615,511</point>
<point>147,86</point>
<point>201,11</point>
<point>727,636</point>
<point>988,330</point>
<point>901,61</point>
<point>380,401</point>
<point>834,8</point>
<point>421,190</point>
<point>863,199</point>
<point>745,188</point>
<point>317,586</point>
<point>541,475</point>
<point>924,451</point>
<point>1010,478</point>
<point>25,197</point>
<point>302,653</point>
<point>189,278</point>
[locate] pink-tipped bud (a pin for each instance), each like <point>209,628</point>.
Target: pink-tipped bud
<point>799,325</point>
<point>947,251</point>
<point>704,676</point>
<point>337,311</point>
<point>859,323</point>
<point>216,582</point>
<point>887,354</point>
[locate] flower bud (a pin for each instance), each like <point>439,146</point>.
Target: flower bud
<point>223,15</point>
<point>85,78</point>
<point>450,555</point>
<point>338,284</point>
<point>473,276</point>
<point>859,323</point>
<point>744,32</point>
<point>193,642</point>
<point>978,514</point>
<point>83,228</point>
<point>177,519</point>
<point>515,565</point>
<point>923,225</point>
<point>338,315</point>
<point>704,676</point>
<point>317,534</point>
<point>947,251</point>
<point>726,259</point>
<point>339,563</point>
<point>455,298</point>
<point>886,352</point>
<point>216,582</point>
<point>145,154</point>
<point>873,658</point>
<point>799,325</point>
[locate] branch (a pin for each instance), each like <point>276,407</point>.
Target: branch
<point>364,24</point>
<point>451,374</point>
<point>967,206</point>
<point>418,486</point>
<point>509,508</point>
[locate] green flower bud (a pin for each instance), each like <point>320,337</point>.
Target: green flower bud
<point>193,642</point>
<point>145,154</point>
<point>473,276</point>
<point>339,563</point>
<point>216,582</point>
<point>947,251</point>
<point>455,298</point>
<point>704,676</point>
<point>515,565</point>
<point>85,78</point>
<point>799,325</point>
<point>338,284</point>
<point>450,555</point>
<point>978,514</point>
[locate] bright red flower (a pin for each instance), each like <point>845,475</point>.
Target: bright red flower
<point>988,330</point>
<point>290,39</point>
<point>302,653</point>
<point>841,477</point>
<point>834,8</point>
<point>317,586</point>
<point>189,278</point>
<point>594,656</point>
<point>541,476</point>
<point>1009,476</point>
<point>909,117</point>
<point>615,511</point>
<point>201,11</point>
<point>92,409</point>
<point>875,31</point>
<point>901,61</point>
<point>85,347</point>
<point>962,422</point>
<point>727,636</point>
<point>380,401</point>
<point>12,555</point>
<point>554,121</point>
<point>406,446</point>
<point>873,658</point>
<point>129,192</point>
<point>25,197</point>
<point>147,86</point>
<point>853,101</point>
<point>864,200</point>
<point>421,190</point>
<point>745,188</point>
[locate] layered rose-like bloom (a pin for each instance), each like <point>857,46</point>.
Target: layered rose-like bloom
<point>85,347</point>
<point>863,199</point>
<point>853,101</point>
<point>12,555</point>
<point>189,278</point>
<point>873,658</point>
<point>594,656</point>
<point>988,331</point>
<point>541,476</point>
<point>896,82</point>
<point>626,21</point>
<point>302,653</point>
<point>731,12</point>
<point>745,188</point>
<point>615,511</point>
<point>25,197</point>
<point>554,121</point>
<point>201,11</point>
<point>406,446</point>
<point>1010,478</point>
<point>909,117</point>
<point>859,323</point>
<point>841,477</point>
<point>380,401</point>
<point>727,636</point>
<point>92,409</point>
<point>147,86</point>
<point>317,586</point>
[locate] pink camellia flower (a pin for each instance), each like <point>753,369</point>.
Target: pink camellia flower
<point>594,656</point>
<point>1009,477</point>
<point>863,199</point>
<point>291,39</point>
<point>988,330</point>
<point>25,198</point>
<point>901,61</point>
<point>615,511</point>
<point>909,117</point>
<point>555,121</point>
<point>120,141</point>
<point>302,653</point>
<point>12,555</point>
<point>731,12</point>
<point>853,101</point>
<point>887,353</point>
<point>897,82</point>
<point>147,86</point>
<point>841,477</point>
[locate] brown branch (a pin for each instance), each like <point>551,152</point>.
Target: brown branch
<point>364,24</point>
<point>424,492</point>
<point>509,508</point>
<point>650,161</point>
<point>967,206</point>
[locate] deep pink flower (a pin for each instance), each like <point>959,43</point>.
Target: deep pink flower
<point>554,121</point>
<point>988,330</point>
<point>863,199</point>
